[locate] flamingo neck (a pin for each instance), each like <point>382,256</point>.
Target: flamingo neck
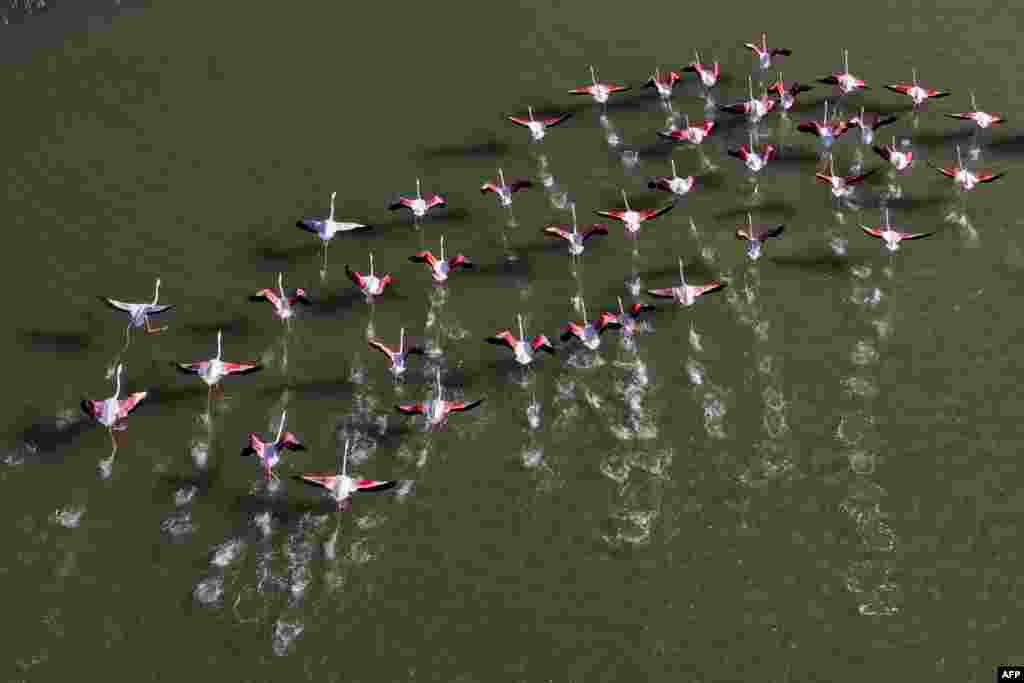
<point>586,319</point>
<point>674,173</point>
<point>522,333</point>
<point>117,383</point>
<point>280,284</point>
<point>401,341</point>
<point>501,177</point>
<point>418,195</point>
<point>442,247</point>
<point>682,276</point>
<point>371,261</point>
<point>331,217</point>
<point>625,200</point>
<point>156,293</point>
<point>593,75</point>
<point>530,110</point>
<point>622,311</point>
<point>344,459</point>
<point>218,344</point>
<point>280,428</point>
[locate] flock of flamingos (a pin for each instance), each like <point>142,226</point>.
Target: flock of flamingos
<point>779,95</point>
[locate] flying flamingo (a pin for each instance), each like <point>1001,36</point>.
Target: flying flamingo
<point>756,107</point>
<point>523,347</point>
<point>892,238</point>
<point>284,306</point>
<point>327,228</point>
<point>684,294</point>
<point>341,486</point>
<point>981,118</point>
<point>369,284</point>
<point>441,267</point>
<point>869,123</point>
<point>901,160</point>
<point>708,76</point>
<point>918,94</point>
<point>694,134</point>
<point>664,82</point>
<point>629,318</point>
<point>674,184</point>
<point>599,91</point>
<point>755,237</point>
<point>754,159</point>
<point>419,205</point>
<point>764,54</point>
<point>841,186</point>
<point>538,127</point>
<point>632,219</point>
<point>575,239</point>
<point>787,94</point>
<point>589,333</point>
<point>845,81</point>
<point>437,409</point>
<point>113,411</point>
<point>505,190</point>
<point>397,357</point>
<point>826,130</point>
<point>964,179</point>
<point>214,370</point>
<point>139,313</point>
<point>269,452</point>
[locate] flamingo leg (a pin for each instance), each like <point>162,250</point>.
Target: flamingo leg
<point>153,330</point>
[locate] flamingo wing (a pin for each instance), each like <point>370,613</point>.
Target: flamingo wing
<point>798,88</point>
<point>648,214</point>
<point>829,80</point>
<point>989,177</point>
<point>710,287</point>
<point>738,108</point>
<point>91,408</point>
<point>552,121</point>
<point>874,232</point>
<point>291,442</point>
<point>756,49</point>
<point>740,153</point>
<point>240,368</point>
<point>368,485</point>
<point>463,406</point>
<point>192,368</point>
<point>158,309</point>
<point>617,214</point>
<point>638,308</point>
<point>126,405</point>
<point>520,120</point>
<point>433,200</point>
<point>823,178</point>
<point>520,184</point>
<point>595,229</point>
<point>883,152</point>
<point>808,127</point>
<point>884,121</point>
<point>325,481</point>
<point>503,338</point>
<point>582,90</point>
<point>901,88</point>
<point>781,52</point>
<point>663,293</point>
<point>314,225</point>
<point>383,348</point>
<point>354,276</point>
<point>605,321</point>
<point>692,67</point>
<point>460,261</point>
<point>489,187</point>
<point>743,234</point>
<point>402,203</point>
<point>949,171</point>
<point>424,257</point>
<point>963,116</point>
<point>763,232</point>
<point>914,235</point>
<point>660,184</point>
<point>649,83</point>
<point>542,343</point>
<point>618,88</point>
<point>571,330</point>
<point>556,231</point>
<point>267,294</point>
<point>119,305</point>
<point>674,134</point>
<point>936,94</point>
<point>411,408</point>
<point>854,179</point>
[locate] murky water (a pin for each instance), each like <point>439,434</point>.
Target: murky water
<point>809,476</point>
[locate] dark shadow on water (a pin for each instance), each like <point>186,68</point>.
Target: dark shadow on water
<point>772,208</point>
<point>469,150</point>
<point>403,218</point>
<point>947,139</point>
<point>48,436</point>
<point>826,262</point>
<point>1012,145</point>
<point>202,480</point>
<point>342,302</point>
<point>49,341</point>
<point>234,327</point>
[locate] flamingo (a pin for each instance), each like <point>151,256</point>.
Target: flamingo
<point>981,118</point>
<point>138,314</point>
<point>269,452</point>
<point>538,127</point>
<point>684,294</point>
<point>112,412</point>
<point>764,54</point>
<point>841,186</point>
<point>523,347</point>
<point>901,160</point>
<point>964,179</point>
<point>341,486</point>
<point>787,94</point>
<point>214,370</point>
<point>755,237</point>
<point>674,184</point>
<point>589,333</point>
<point>419,205</point>
<point>397,357</point>
<point>663,82</point>
<point>599,91</point>
<point>440,268</point>
<point>437,409</point>
<point>708,76</point>
<point>755,108</point>
<point>754,159</point>
<point>327,228</point>
<point>826,130</point>
<point>575,239</point>
<point>892,238</point>
<point>917,93</point>
<point>284,306</point>
<point>694,134</point>
<point>629,318</point>
<point>505,190</point>
<point>869,123</point>
<point>632,219</point>
<point>369,284</point>
<point>845,81</point>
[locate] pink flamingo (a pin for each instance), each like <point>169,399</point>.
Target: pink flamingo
<point>754,159</point>
<point>112,412</point>
<point>138,314</point>
<point>708,73</point>
<point>397,357</point>
<point>965,179</point>
<point>284,306</point>
<point>694,134</point>
<point>632,219</point>
<point>755,237</point>
<point>524,348</point>
<point>684,294</point>
<point>437,409</point>
<point>764,54</point>
<point>441,267</point>
<point>869,123</point>
<point>673,183</point>
<point>756,107</point>
<point>981,118</point>
<point>419,205</point>
<point>505,190</point>
<point>269,452</point>
<point>841,186</point>
<point>901,159</point>
<point>575,239</point>
<point>787,94</point>
<point>341,486</point>
<point>327,228</point>
<point>599,91</point>
<point>589,333</point>
<point>368,283</point>
<point>663,82</point>
<point>892,238</point>
<point>826,130</point>
<point>845,81</point>
<point>917,93</point>
<point>629,319</point>
<point>538,126</point>
<point>214,370</point>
